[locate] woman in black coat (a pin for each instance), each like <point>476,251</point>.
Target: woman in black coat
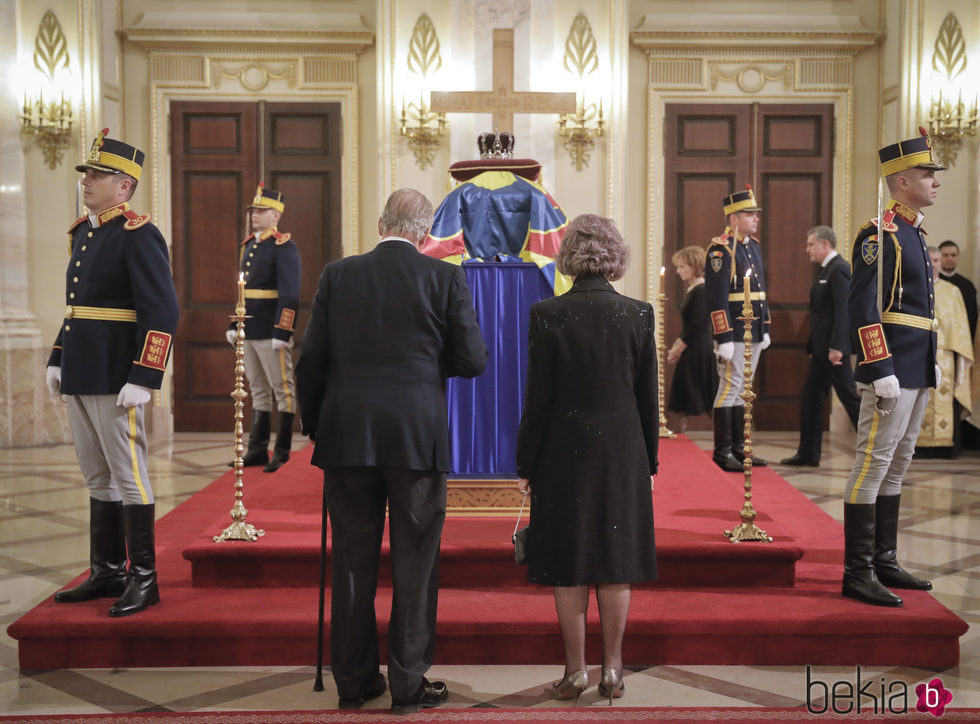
<point>587,447</point>
<point>696,376</point>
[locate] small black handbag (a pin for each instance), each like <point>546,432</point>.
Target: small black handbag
<point>520,537</point>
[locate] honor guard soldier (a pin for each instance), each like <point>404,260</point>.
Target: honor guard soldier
<point>892,315</point>
<point>730,257</point>
<point>270,264</point>
<point>111,353</point>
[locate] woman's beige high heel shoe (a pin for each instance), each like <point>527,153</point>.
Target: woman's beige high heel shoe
<point>571,685</point>
<point>612,684</point>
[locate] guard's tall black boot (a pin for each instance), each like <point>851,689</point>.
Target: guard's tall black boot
<point>141,591</point>
<point>258,440</point>
<point>886,544</point>
<point>723,441</point>
<point>738,437</point>
<point>860,581</point>
<point>284,442</point>
<point>107,555</point>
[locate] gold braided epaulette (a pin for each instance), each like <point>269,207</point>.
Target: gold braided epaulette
<point>282,238</point>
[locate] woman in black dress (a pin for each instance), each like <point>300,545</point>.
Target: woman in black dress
<point>696,376</point>
<point>587,448</point>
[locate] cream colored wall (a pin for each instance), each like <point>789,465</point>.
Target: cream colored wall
<point>50,197</point>
<point>955,213</point>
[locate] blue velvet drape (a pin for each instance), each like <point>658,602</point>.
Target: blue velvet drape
<point>484,413</point>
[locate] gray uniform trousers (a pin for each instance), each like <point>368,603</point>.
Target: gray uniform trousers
<point>731,375</point>
<point>884,445</point>
<point>270,372</point>
<point>110,442</point>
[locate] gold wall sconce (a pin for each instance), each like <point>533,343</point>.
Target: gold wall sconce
<point>49,119</point>
<point>580,129</point>
<point>418,123</point>
<point>950,121</point>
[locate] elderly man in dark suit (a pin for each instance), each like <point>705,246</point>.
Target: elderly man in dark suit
<point>829,346</point>
<point>387,328</point>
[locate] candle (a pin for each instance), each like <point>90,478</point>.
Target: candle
<point>241,289</point>
<point>747,287</point>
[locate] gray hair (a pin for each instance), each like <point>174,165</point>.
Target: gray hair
<point>593,245</point>
<point>407,213</point>
<point>825,233</point>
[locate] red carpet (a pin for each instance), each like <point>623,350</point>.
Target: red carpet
<point>717,602</point>
<point>663,715</point>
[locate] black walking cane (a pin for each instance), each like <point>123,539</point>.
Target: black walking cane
<point>318,683</point>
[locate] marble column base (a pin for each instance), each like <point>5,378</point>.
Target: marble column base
<point>28,414</point>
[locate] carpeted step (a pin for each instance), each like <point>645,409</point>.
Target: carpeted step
<point>479,552</point>
<point>691,511</point>
<point>810,624</point>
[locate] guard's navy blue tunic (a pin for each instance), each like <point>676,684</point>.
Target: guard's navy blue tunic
<point>270,263</point>
<point>120,266</point>
<point>900,341</point>
<point>724,290</point>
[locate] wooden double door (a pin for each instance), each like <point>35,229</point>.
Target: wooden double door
<point>219,153</point>
<point>786,153</point>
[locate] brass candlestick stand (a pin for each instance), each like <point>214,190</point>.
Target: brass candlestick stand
<point>661,359</point>
<point>239,529</point>
<point>747,530</point>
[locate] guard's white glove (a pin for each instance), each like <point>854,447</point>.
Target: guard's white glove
<point>132,395</point>
<point>53,379</point>
<point>278,344</point>
<point>939,377</point>
<point>230,336</point>
<point>766,341</point>
<point>725,350</point>
<point>887,387</point>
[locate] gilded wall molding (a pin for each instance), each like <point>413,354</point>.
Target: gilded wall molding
<point>745,59</point>
<point>197,57</point>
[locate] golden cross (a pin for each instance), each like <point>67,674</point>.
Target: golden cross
<point>503,101</point>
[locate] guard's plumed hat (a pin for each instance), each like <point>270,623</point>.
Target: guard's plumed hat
<point>111,156</point>
<point>913,153</point>
<point>267,199</point>
<point>741,201</point>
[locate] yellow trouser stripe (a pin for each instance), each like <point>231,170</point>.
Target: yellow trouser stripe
<point>867,457</point>
<point>728,380</point>
<point>261,293</point>
<point>285,380</point>
<point>107,314</point>
<point>740,296</point>
<point>910,320</point>
<point>132,454</point>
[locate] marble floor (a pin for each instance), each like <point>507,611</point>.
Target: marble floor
<point>44,544</point>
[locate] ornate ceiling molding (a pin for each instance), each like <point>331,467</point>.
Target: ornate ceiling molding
<point>758,33</point>
<point>162,29</point>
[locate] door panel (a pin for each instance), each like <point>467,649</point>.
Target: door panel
<point>219,152</point>
<point>785,152</point>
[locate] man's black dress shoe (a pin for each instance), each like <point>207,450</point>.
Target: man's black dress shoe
<point>429,694</point>
<point>800,461</point>
<point>373,692</point>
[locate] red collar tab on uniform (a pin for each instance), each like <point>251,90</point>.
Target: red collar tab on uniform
<point>75,224</point>
<point>896,208</point>
<point>112,212</point>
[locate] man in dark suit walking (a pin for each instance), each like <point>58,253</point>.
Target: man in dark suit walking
<point>829,346</point>
<point>387,328</point>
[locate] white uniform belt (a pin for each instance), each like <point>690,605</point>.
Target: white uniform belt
<point>910,320</point>
<point>740,296</point>
<point>106,314</point>
<point>261,294</point>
